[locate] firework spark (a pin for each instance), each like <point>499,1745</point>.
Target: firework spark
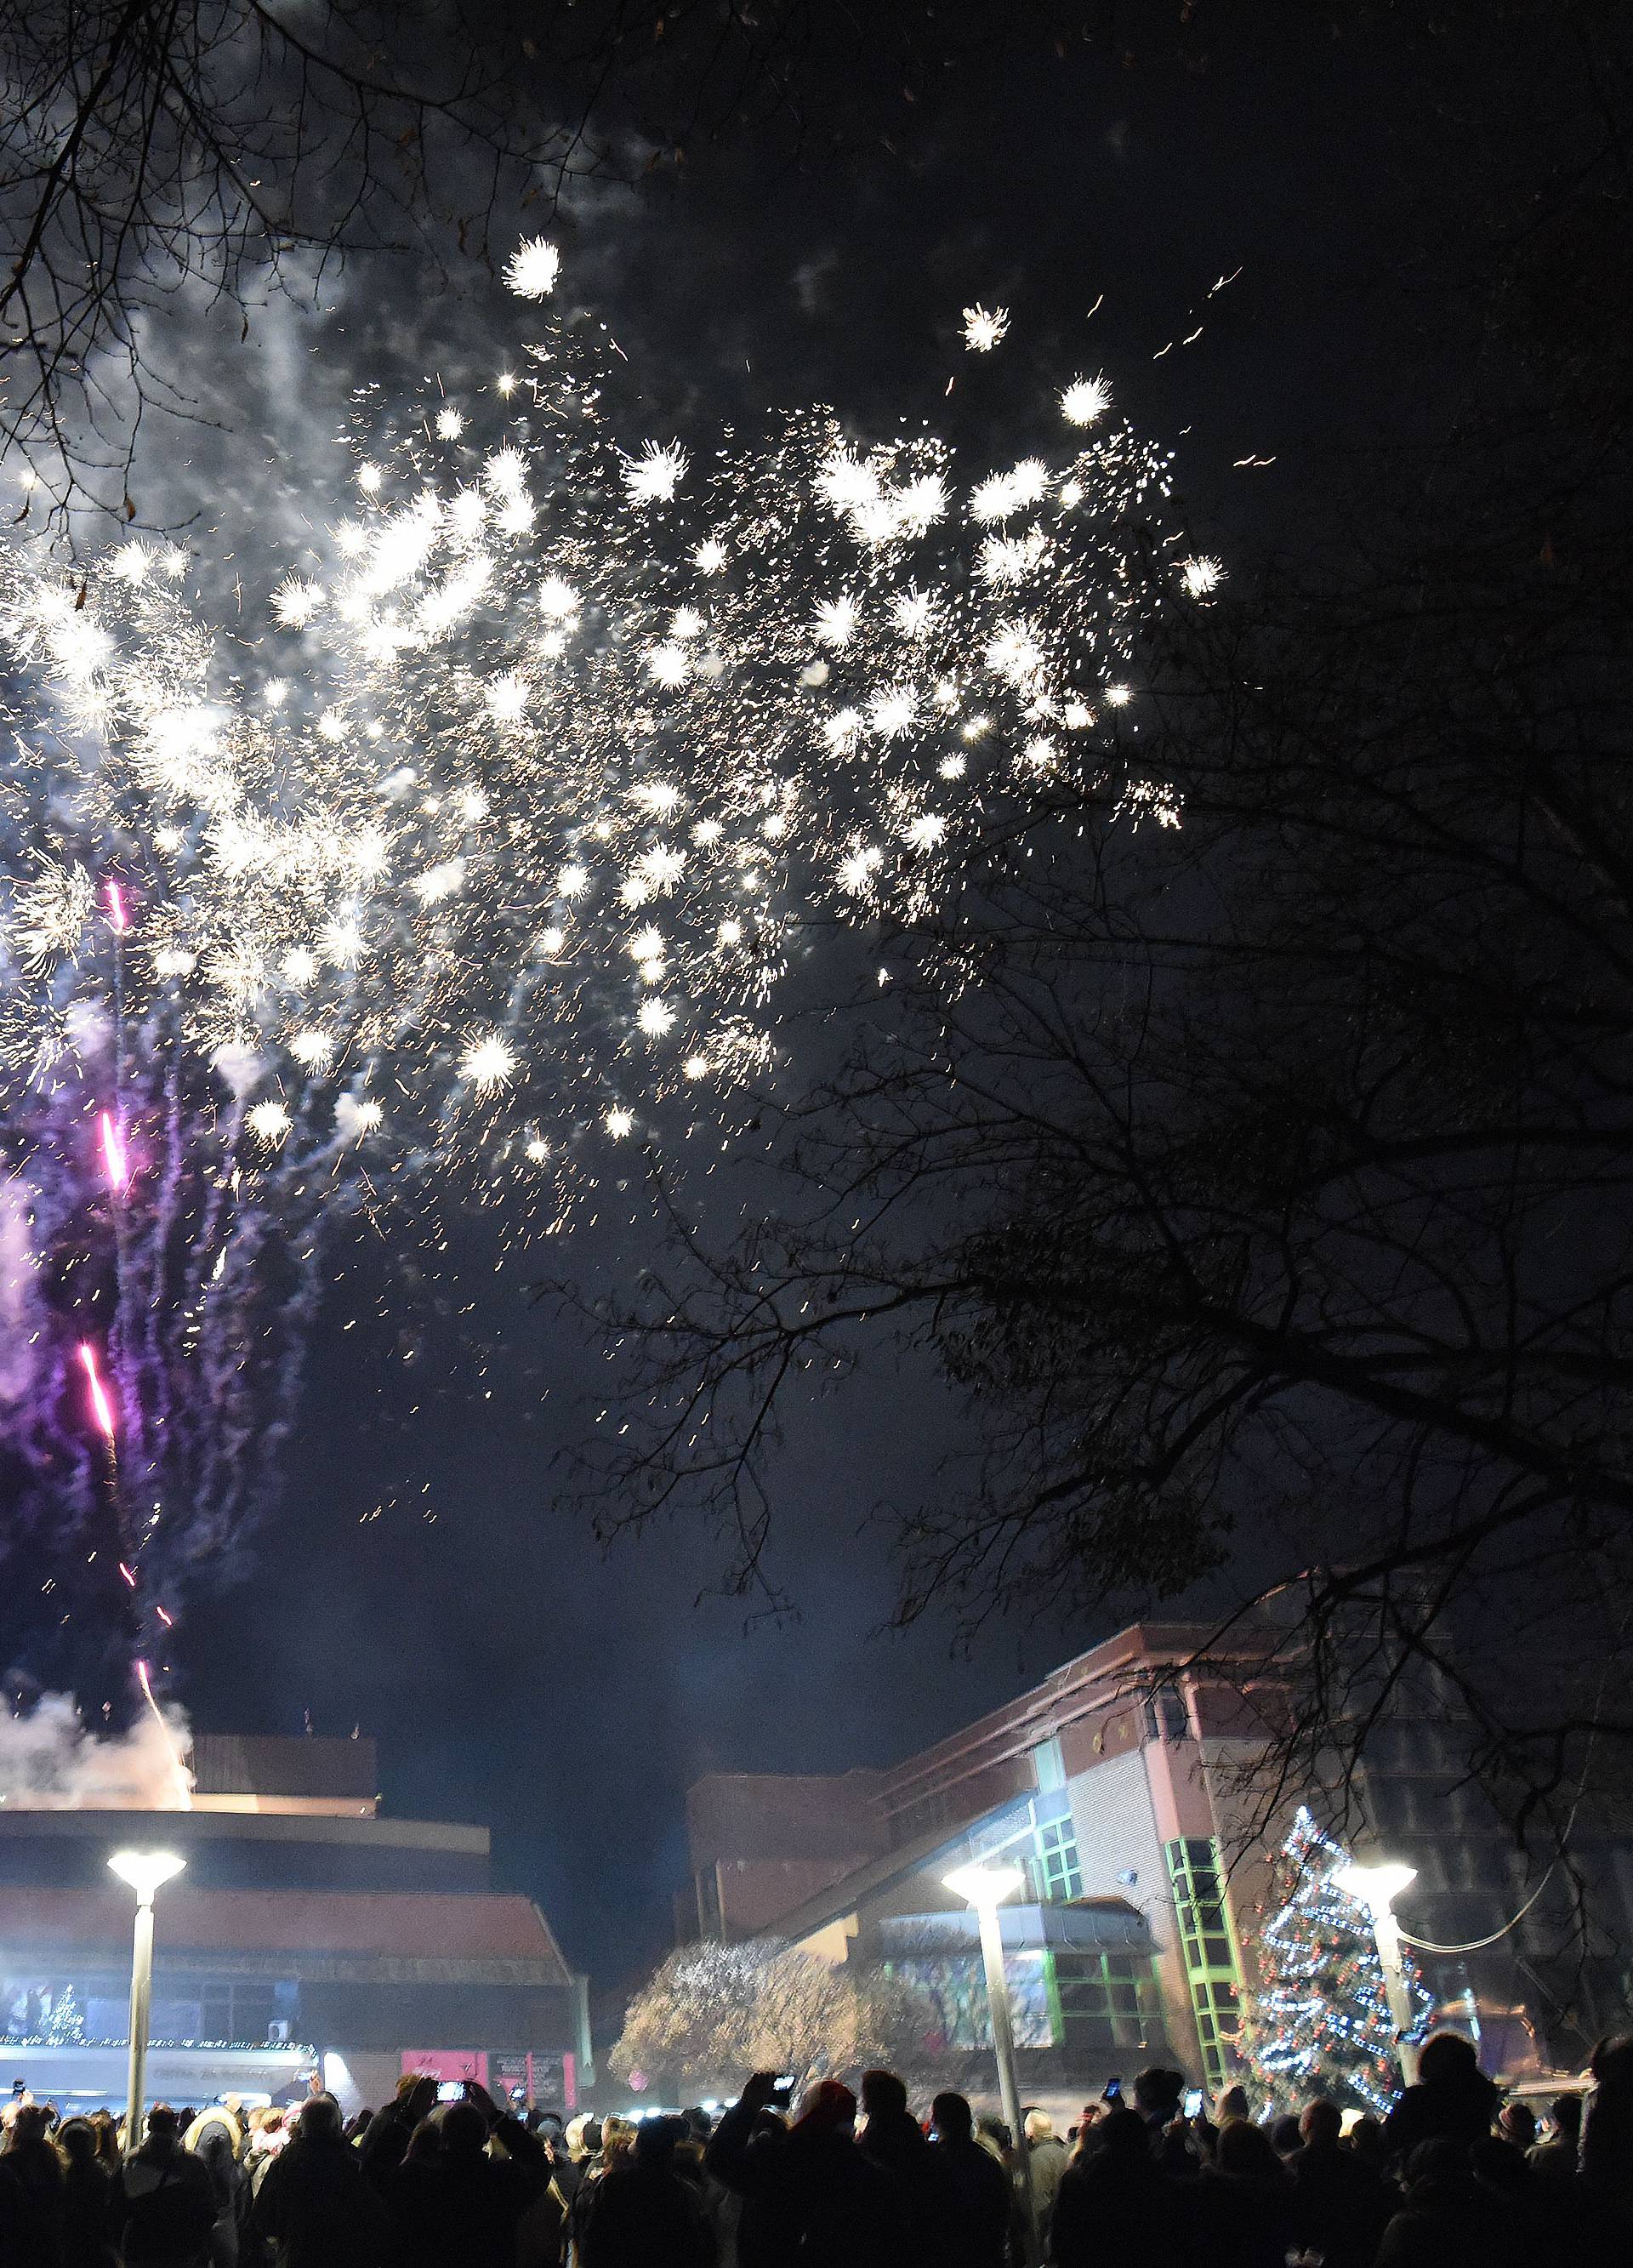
<point>515,809</point>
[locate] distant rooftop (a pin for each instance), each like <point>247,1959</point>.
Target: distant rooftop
<point>234,1772</point>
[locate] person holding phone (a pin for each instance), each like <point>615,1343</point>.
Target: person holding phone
<point>807,2189</point>
<point>460,2202</point>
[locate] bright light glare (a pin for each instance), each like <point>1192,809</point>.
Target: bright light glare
<point>146,1870</point>
<point>983,1885</point>
<point>1376,1887</point>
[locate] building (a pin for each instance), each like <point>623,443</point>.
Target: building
<point>1124,1787</point>
<point>1108,1783</point>
<point>308,1930</point>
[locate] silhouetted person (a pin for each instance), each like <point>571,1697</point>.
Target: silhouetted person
<point>385,2145</point>
<point>1554,2157</point>
<point>890,2139</point>
<point>317,2207</point>
<point>1607,2123</point>
<point>1115,2207</point>
<point>1367,2141</point>
<point>1453,2101</point>
<point>216,2151</point>
<point>1244,2202</point>
<point>1159,2098</point>
<point>32,2169</point>
<point>164,2208</point>
<point>974,2207</point>
<point>456,2204</point>
<point>1340,2205</point>
<point>644,2215</point>
<point>88,2198</point>
<point>1446,2219</point>
<point>811,2182</point>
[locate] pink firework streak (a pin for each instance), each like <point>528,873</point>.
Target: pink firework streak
<point>101,1406</point>
<point>118,916</point>
<point>115,1156</point>
<point>183,1777</point>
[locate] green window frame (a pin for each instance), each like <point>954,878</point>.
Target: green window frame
<point>1208,1948</point>
<point>1060,1870</point>
<point>1099,1999</point>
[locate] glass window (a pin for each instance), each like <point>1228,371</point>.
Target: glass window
<point>1057,1861</point>
<point>1048,1768</point>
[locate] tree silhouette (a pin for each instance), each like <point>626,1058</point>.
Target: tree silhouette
<point>1259,1189</point>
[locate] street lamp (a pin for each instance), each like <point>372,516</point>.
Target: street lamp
<point>144,1871</point>
<point>1377,1888</point>
<point>985,1887</point>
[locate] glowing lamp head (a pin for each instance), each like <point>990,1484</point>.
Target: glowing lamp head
<point>983,1885</point>
<point>146,1870</point>
<point>1376,1887</point>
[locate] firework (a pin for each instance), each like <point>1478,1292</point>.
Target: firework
<point>489,851</point>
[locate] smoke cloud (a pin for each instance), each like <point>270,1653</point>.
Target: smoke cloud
<point>49,1761</point>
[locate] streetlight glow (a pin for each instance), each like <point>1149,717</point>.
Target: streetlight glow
<point>146,1870</point>
<point>983,1884</point>
<point>1376,1887</point>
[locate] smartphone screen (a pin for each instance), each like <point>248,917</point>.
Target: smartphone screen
<point>451,2090</point>
<point>1193,2102</point>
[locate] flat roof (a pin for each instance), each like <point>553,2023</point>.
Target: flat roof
<point>455,1932</point>
<point>366,1830</point>
<point>283,1764</point>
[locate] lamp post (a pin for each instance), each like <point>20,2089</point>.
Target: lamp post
<point>144,1871</point>
<point>985,1887</point>
<point>1377,1888</point>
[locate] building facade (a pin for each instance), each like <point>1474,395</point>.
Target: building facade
<point>1108,1785</point>
<point>306,1931</point>
<point>1126,1786</point>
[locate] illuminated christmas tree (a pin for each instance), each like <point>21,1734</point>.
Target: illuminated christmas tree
<point>1319,2023</point>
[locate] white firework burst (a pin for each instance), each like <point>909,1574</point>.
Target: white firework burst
<point>1084,400</point>
<point>270,1122</point>
<point>533,269</point>
<point>489,1063</point>
<point>983,328</point>
<point>656,474</point>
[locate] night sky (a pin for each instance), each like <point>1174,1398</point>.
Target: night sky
<point>511,1674</point>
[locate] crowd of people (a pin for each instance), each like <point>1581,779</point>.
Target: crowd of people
<point>1453,2177</point>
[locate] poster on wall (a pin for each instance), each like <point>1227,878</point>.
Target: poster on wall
<point>955,1985</point>
<point>44,2009</point>
<point>445,2065</point>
